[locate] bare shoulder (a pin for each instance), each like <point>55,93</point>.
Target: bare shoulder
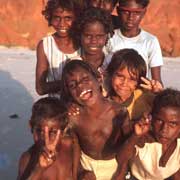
<point>23,161</point>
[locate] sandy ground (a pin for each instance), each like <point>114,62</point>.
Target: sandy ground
<point>17,94</point>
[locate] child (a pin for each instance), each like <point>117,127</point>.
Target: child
<point>92,30</point>
<point>101,123</point>
<point>107,5</point>
<point>155,155</point>
<point>126,73</point>
<point>130,35</point>
<point>55,49</point>
<point>53,154</point>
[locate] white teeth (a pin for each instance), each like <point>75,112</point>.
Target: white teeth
<point>84,92</point>
<point>62,30</point>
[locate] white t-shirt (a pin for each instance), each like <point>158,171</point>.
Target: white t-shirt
<point>145,166</point>
<point>145,43</point>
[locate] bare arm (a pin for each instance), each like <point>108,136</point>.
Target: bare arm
<point>176,176</point>
<point>42,66</point>
<point>156,73</point>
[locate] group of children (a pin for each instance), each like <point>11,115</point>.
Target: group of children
<point>104,118</point>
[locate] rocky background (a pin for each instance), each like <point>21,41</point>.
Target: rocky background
<point>22,24</point>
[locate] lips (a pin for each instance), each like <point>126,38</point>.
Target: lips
<point>86,94</point>
<point>62,30</point>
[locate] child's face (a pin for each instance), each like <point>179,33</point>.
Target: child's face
<point>166,125</point>
<point>93,38</point>
<point>83,87</point>
<point>39,130</point>
<point>124,83</point>
<point>131,15</point>
<point>103,4</point>
<point>62,21</point>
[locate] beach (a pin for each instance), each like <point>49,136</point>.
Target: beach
<point>17,93</point>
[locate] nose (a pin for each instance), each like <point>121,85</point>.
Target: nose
<point>131,15</point>
<point>164,128</point>
<point>93,39</point>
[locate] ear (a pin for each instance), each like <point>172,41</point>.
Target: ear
<point>118,10</point>
<point>144,12</point>
<point>30,126</point>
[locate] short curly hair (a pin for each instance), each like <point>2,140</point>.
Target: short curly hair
<point>70,5</point>
<point>48,108</point>
<point>143,3</point>
<point>91,15</point>
<point>167,98</point>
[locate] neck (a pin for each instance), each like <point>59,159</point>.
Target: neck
<point>130,33</point>
<point>98,107</point>
<point>95,60</point>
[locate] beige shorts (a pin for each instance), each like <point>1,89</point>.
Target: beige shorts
<point>103,169</point>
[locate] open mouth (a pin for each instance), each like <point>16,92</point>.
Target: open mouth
<point>62,30</point>
<point>86,94</point>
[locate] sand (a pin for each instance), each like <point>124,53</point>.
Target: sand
<point>17,92</point>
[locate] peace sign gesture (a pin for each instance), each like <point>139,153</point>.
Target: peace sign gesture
<point>152,85</point>
<point>48,154</point>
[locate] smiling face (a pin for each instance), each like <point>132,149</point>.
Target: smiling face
<point>62,21</point>
<point>124,83</point>
<point>39,130</point>
<point>93,38</point>
<point>83,86</point>
<point>166,125</point>
<point>131,15</point>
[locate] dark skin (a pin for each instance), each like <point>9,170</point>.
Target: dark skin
<point>35,164</point>
<point>100,123</point>
<point>130,21</point>
<point>93,39</point>
<point>166,130</point>
<point>61,21</point>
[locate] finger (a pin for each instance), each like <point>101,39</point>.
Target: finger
<point>145,80</point>
<point>145,86</point>
<point>56,139</point>
<point>46,135</point>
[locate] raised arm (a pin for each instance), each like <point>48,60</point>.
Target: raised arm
<point>42,85</point>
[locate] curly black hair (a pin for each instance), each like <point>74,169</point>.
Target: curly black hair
<point>91,15</point>
<point>48,108</point>
<point>167,98</point>
<point>129,58</point>
<point>75,6</point>
<point>143,3</point>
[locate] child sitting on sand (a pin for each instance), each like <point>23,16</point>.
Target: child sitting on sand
<point>53,155</point>
<point>154,154</point>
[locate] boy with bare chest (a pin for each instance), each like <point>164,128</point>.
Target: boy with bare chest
<point>100,123</point>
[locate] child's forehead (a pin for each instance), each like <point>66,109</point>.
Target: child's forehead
<point>170,111</point>
<point>49,121</point>
<point>63,10</point>
<point>131,4</point>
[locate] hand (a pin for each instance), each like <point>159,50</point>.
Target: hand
<point>73,110</point>
<point>48,155</point>
<point>143,125</point>
<point>152,85</point>
<point>87,175</point>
